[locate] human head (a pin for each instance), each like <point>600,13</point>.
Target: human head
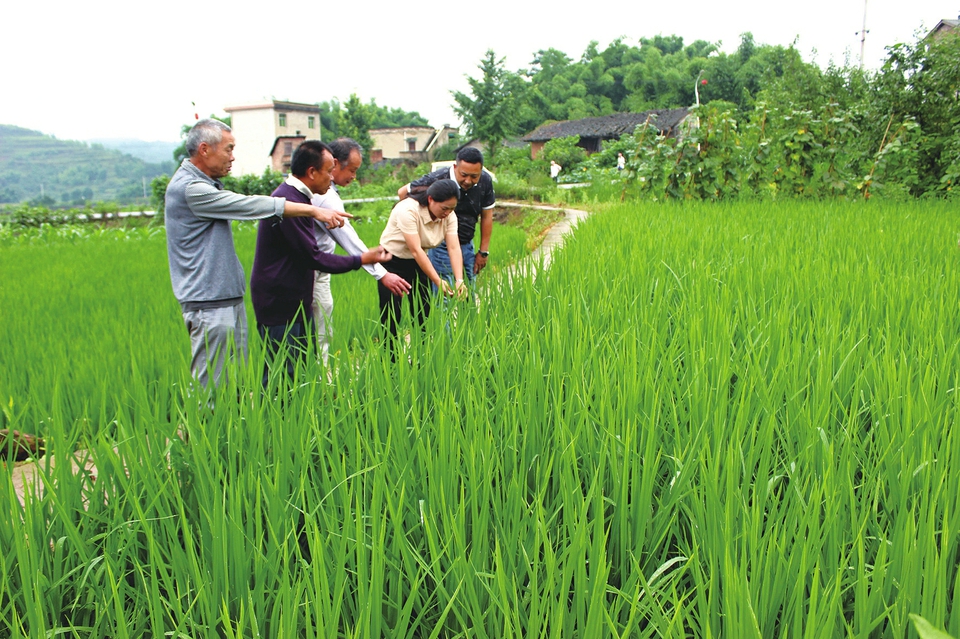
<point>312,164</point>
<point>347,158</point>
<point>468,167</point>
<point>210,147</point>
<point>440,197</point>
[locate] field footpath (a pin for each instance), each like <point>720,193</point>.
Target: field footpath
<point>30,476</point>
<point>552,240</point>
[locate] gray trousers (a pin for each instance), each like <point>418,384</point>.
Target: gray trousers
<point>323,314</point>
<point>215,333</point>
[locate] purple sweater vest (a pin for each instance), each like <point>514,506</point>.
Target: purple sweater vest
<point>281,283</point>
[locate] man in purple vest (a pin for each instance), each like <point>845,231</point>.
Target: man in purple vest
<point>281,284</point>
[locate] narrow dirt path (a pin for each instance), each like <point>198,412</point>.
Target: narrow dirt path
<point>554,239</point>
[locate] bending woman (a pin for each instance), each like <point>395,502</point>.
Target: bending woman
<point>418,223</point>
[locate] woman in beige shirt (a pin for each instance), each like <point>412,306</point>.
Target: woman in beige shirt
<point>420,222</point>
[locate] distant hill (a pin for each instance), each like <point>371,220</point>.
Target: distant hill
<point>155,152</point>
<point>42,169</point>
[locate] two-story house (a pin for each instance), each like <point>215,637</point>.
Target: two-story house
<point>267,134</point>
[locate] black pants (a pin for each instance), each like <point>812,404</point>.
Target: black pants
<point>391,306</point>
<point>293,339</point>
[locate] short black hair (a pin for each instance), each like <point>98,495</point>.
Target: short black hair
<point>308,154</point>
<point>440,191</point>
<point>470,155</point>
<point>341,148</point>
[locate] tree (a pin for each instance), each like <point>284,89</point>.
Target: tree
<point>329,119</point>
<point>356,121</point>
<point>490,111</point>
<point>383,117</point>
<point>920,82</point>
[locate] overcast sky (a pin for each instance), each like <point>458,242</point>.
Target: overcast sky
<point>119,69</point>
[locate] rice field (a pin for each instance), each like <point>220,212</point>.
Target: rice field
<point>701,421</point>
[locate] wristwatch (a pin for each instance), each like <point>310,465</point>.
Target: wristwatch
<point>483,253</point>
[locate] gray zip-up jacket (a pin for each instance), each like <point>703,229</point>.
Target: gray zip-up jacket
<point>204,267</point>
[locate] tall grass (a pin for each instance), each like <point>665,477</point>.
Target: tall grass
<point>731,420</point>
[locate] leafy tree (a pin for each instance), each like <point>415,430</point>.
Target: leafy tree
<point>329,119</point>
<point>565,152</point>
<point>383,117</point>
<point>920,81</point>
<point>490,112</point>
<point>158,192</point>
<point>356,121</point>
<point>250,184</point>
<point>447,151</point>
<point>334,117</point>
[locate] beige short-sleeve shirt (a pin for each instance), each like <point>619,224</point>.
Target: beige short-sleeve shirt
<point>411,218</point>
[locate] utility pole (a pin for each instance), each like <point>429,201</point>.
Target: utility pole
<point>863,34</point>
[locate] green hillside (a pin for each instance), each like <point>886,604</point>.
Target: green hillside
<point>40,168</point>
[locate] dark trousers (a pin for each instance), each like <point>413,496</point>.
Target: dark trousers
<point>391,306</point>
<point>292,339</point>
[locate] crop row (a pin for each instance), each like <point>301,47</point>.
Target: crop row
<point>701,420</point>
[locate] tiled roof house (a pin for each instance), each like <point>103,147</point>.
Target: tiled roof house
<point>593,131</point>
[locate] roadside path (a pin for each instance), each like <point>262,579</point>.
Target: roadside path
<point>554,238</point>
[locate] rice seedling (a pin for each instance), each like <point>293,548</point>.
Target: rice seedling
<point>701,420</point>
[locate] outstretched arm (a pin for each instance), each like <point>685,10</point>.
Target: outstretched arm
<point>331,218</point>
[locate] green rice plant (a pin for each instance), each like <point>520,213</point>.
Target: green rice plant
<point>700,420</point>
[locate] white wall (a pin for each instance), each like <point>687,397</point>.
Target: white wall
<point>298,121</point>
<point>393,142</point>
<point>255,131</point>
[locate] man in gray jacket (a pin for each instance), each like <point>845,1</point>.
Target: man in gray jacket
<point>207,277</point>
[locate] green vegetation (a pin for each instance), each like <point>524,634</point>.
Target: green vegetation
<point>727,409</point>
<point>770,124</point>
<point>716,419</point>
<point>353,118</point>
<point>659,73</point>
<point>51,172</point>
<point>80,300</point>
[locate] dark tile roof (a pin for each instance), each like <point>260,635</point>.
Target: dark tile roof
<point>607,126</point>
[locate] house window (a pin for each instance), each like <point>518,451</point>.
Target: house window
<point>310,122</point>
<point>287,148</point>
<point>412,145</point>
<point>283,119</point>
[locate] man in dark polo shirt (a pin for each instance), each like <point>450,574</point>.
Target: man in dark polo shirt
<point>281,284</point>
<point>476,203</point>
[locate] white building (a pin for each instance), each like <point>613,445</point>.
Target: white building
<point>416,143</point>
<point>268,133</point>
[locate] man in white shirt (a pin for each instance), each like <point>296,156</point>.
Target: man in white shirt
<point>347,158</point>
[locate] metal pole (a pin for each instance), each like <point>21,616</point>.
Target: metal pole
<point>863,34</point>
